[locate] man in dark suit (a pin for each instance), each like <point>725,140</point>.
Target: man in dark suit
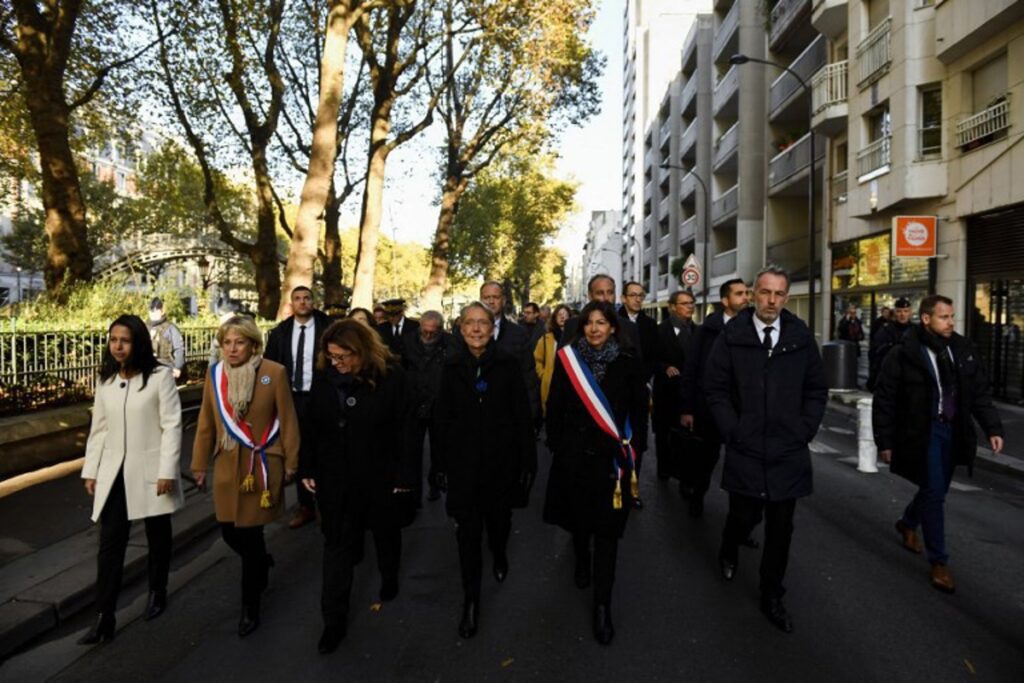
<point>765,386</point>
<point>674,335</point>
<point>293,343</point>
<point>513,339</point>
<point>398,330</point>
<point>601,287</point>
<point>702,454</point>
<point>641,327</point>
<point>931,388</point>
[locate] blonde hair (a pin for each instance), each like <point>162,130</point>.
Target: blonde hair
<point>359,339</point>
<point>244,326</point>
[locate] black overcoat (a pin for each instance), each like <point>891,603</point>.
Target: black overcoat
<point>279,341</point>
<point>358,455</point>
<point>906,402</point>
<point>423,365</point>
<point>692,396</point>
<point>485,429</point>
<point>410,330</point>
<point>672,352</point>
<point>767,408</point>
<point>582,479</point>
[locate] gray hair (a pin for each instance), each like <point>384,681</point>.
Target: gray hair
<point>772,269</point>
<point>476,304</point>
<point>432,315</point>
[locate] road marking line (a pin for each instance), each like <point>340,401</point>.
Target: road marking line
<point>819,447</point>
<point>966,488</point>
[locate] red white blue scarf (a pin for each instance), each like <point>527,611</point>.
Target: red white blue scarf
<point>596,403</point>
<point>241,431</point>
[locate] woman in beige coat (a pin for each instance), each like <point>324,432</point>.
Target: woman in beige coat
<point>544,357</point>
<point>132,466</point>
<point>247,426</point>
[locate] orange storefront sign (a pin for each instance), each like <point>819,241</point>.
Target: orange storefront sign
<point>913,235</point>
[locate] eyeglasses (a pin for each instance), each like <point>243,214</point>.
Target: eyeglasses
<point>339,357</point>
<point>635,295</point>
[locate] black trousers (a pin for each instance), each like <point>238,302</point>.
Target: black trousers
<point>745,513</point>
<point>699,463</point>
<point>248,543</point>
<point>301,401</point>
<point>606,551</point>
<point>114,529</point>
<point>343,550</point>
<point>424,429</point>
<point>469,532</point>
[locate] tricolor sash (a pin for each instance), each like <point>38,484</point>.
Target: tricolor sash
<point>596,403</point>
<point>241,431</point>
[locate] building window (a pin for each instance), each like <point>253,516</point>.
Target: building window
<point>875,157</point>
<point>991,117</point>
<point>930,127</point>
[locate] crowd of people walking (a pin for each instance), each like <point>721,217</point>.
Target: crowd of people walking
<point>345,407</point>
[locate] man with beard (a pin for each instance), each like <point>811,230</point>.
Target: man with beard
<point>886,338</point>
<point>765,386</point>
<point>930,389</point>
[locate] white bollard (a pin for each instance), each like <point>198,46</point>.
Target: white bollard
<point>867,453</point>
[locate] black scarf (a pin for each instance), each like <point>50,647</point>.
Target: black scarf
<point>947,370</point>
<point>344,385</point>
<point>598,359</point>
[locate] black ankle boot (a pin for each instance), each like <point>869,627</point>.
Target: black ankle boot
<point>603,629</point>
<point>470,618</point>
<point>101,632</point>
<point>155,605</point>
<point>249,621</point>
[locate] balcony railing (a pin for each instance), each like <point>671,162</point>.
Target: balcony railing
<point>688,187</point>
<point>726,87</point>
<point>874,53</point>
<point>688,141</point>
<point>664,132</point>
<point>828,86</point>
<point>983,126</point>
<point>688,93</point>
<point>782,16</point>
<point>663,207</point>
<point>726,205</point>
<point>875,157</point>
<point>687,229</point>
<point>794,159</point>
<point>663,282</point>
<point>726,145</point>
<point>839,187</point>
<point>725,30</point>
<point>724,263</point>
<point>806,65</point>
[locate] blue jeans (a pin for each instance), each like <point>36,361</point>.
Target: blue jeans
<point>926,508</point>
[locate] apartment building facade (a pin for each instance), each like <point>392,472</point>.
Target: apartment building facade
<point>602,251</point>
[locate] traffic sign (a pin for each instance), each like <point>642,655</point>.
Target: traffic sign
<point>691,275</point>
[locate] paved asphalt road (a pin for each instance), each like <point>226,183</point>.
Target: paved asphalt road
<point>862,606</point>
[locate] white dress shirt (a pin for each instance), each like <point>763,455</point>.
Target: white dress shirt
<point>308,352</point>
<point>497,326</point>
<point>759,326</point>
<point>935,367</point>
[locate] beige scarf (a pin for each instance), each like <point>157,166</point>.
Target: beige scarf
<point>241,382</point>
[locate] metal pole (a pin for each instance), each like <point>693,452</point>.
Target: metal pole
<point>810,211</point>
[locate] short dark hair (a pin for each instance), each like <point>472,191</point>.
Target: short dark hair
<point>929,303</point>
<point>674,299</point>
<point>772,269</point>
<point>302,288</point>
<point>726,288</point>
<point>608,311</point>
<point>627,285</point>
<point>599,276</point>
<point>533,306</point>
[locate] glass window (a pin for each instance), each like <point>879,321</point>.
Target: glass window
<point>909,269</point>
<point>873,261</point>
<point>844,265</point>
<point>930,142</point>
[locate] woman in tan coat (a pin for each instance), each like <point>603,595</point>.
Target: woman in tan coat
<point>544,353</point>
<point>247,426</point>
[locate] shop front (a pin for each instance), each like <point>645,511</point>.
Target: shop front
<point>995,272</point>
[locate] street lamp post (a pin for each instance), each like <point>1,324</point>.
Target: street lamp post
<point>18,309</point>
<point>707,230</point>
<point>743,59</point>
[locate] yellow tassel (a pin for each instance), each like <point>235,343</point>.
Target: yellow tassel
<point>617,496</point>
<point>634,485</point>
<point>249,483</point>
<point>265,500</point>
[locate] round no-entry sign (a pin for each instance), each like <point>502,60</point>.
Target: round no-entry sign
<point>690,277</point>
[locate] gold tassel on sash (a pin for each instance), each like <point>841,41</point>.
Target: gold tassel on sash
<point>634,485</point>
<point>617,496</point>
<point>265,500</point>
<point>249,483</point>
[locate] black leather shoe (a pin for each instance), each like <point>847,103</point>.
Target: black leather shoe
<point>330,639</point>
<point>500,567</point>
<point>776,613</point>
<point>696,507</point>
<point>470,617</point>
<point>750,542</point>
<point>249,621</point>
<point>389,589</point>
<point>603,629</point>
<point>727,567</point>
<point>155,605</point>
<point>638,504</point>
<point>101,632</point>
<point>433,493</point>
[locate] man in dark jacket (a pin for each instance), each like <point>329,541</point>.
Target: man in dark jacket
<point>642,328</point>
<point>886,338</point>
<point>766,389</point>
<point>674,335</point>
<point>398,328</point>
<point>600,287</point>
<point>513,340</point>
<point>702,455</point>
<point>929,388</point>
<point>423,360</point>
<point>293,344</point>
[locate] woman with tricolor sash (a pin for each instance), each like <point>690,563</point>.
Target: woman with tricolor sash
<point>596,423</point>
<point>247,426</point>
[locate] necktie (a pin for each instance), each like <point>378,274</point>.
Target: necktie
<point>497,328</point>
<point>395,333</point>
<point>767,342</point>
<point>300,358</point>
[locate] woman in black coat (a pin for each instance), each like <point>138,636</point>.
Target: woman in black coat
<point>586,494</point>
<point>358,457</point>
<point>488,450</point>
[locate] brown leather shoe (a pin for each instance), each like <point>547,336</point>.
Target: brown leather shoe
<point>941,578</point>
<point>303,516</point>
<point>911,541</point>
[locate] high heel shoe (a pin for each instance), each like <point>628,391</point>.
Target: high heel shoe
<point>249,621</point>
<point>101,632</point>
<point>155,605</point>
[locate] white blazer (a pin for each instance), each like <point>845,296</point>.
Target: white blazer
<point>141,429</point>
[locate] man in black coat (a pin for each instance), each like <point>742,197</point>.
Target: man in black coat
<point>294,343</point>
<point>702,454</point>
<point>398,328</point>
<point>674,335</point>
<point>766,389</point>
<point>642,328</point>
<point>882,341</point>
<point>600,287</point>
<point>929,387</point>
<point>513,340</point>
<point>423,359</point>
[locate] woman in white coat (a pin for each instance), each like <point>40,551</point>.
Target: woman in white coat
<point>132,466</point>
